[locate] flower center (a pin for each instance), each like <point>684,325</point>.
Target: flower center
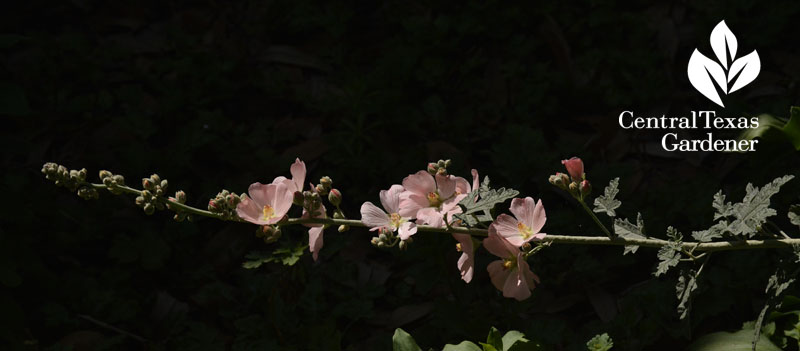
<point>267,213</point>
<point>458,247</point>
<point>508,263</point>
<point>524,230</point>
<point>396,220</point>
<point>434,199</point>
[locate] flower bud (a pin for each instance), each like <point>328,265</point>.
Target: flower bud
<point>231,200</point>
<point>156,179</point>
<point>374,241</point>
<point>118,180</point>
<point>575,168</point>
<point>335,197</point>
<point>573,189</point>
<point>164,185</point>
<point>105,174</point>
<point>108,182</point>
<point>326,182</point>
<point>82,174</point>
<point>441,163</point>
<point>585,187</point>
<point>382,237</point>
<point>343,228</point>
<point>321,189</point>
<point>298,198</point>
<point>432,168</point>
<point>147,195</point>
<point>212,206</point>
<point>147,184</point>
<point>139,201</point>
<point>180,196</point>
<point>149,208</point>
<point>179,217</point>
<point>338,215</point>
<point>88,193</point>
<point>403,245</point>
<point>526,246</point>
<point>447,163</point>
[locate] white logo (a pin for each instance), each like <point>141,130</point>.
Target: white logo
<point>702,70</point>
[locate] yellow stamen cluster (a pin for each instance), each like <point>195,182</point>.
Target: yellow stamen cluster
<point>524,230</point>
<point>267,213</point>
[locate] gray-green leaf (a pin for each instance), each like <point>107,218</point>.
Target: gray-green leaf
<point>754,209</point>
<point>794,214</point>
<point>711,233</point>
<point>628,230</point>
<point>724,209</point>
<point>687,283</point>
<point>487,199</point>
<point>607,202</point>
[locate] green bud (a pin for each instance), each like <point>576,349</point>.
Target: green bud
<point>447,163</point>
<point>164,184</point>
<point>147,195</point>
<point>180,196</point>
<point>149,208</point>
<point>321,189</point>
<point>148,184</point>
<point>403,246</point>
<point>335,197</point>
<point>118,180</point>
<point>155,178</point>
<point>326,182</point>
<point>139,201</point>
<point>343,228</point>
<point>82,174</point>
<point>105,174</point>
<point>298,198</point>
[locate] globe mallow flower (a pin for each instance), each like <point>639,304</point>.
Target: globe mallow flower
<point>389,217</point>
<point>266,203</point>
<point>466,263</point>
<point>315,231</point>
<point>511,274</point>
<point>528,220</point>
<point>298,171</point>
<point>429,199</point>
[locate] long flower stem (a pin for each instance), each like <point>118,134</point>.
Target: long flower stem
<point>596,220</point>
<point>556,239</point>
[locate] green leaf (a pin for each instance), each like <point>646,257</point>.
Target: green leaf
<point>511,338</point>
<point>711,233</point>
<point>669,256</point>
<point>628,230</point>
<point>495,339</point>
<point>687,283</point>
<point>724,209</point>
<point>600,342</point>
<point>402,341</point>
<point>487,199</point>
<point>287,255</point>
<point>738,341</point>
<point>463,346</point>
<point>607,202</point>
<point>754,209</point>
<point>488,347</point>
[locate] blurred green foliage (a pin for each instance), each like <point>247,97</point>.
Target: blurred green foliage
<point>217,94</point>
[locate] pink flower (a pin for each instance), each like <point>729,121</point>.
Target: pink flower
<point>375,218</point>
<point>267,203</point>
<point>466,263</point>
<point>315,232</point>
<point>530,218</point>
<point>298,171</point>
<point>428,199</point>
<point>574,168</point>
<point>511,274</point>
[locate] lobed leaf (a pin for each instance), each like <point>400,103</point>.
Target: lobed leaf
<point>628,230</point>
<point>607,202</point>
<point>687,284</point>
<point>754,209</point>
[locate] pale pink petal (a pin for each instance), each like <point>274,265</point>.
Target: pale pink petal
<point>411,203</point>
<point>519,209</point>
<point>249,211</point>
<point>258,193</point>
<point>538,217</point>
<point>498,273</point>
<point>446,185</point>
<point>466,263</point>
<point>515,286</point>
<point>407,229</point>
<point>430,216</point>
<point>462,186</point>
<point>453,203</point>
<point>283,200</point>
<point>390,199</point>
<point>315,241</point>
<point>499,246</point>
<point>523,267</point>
<point>475,180</point>
<point>281,179</point>
<point>374,217</point>
<point>420,183</point>
<point>298,170</point>
<point>574,167</point>
<point>506,227</point>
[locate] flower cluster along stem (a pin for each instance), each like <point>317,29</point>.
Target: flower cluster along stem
<point>688,246</point>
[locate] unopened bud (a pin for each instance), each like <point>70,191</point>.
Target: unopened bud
<point>441,163</point>
<point>108,182</point>
<point>180,196</point>
<point>447,163</point>
<point>88,193</point>
<point>147,183</point>
<point>326,182</point>
<point>335,197</point>
<point>149,208</point>
<point>298,198</point>
<point>156,179</point>
<point>179,217</point>
<point>374,241</point>
<point>105,174</point>
<point>139,201</point>
<point>343,228</point>
<point>382,237</point>
<point>433,168</point>
<point>164,185</point>
<point>212,206</point>
<point>586,188</point>
<point>231,200</point>
<point>118,179</point>
<point>526,246</point>
<point>82,174</point>
<point>321,189</point>
<point>573,188</point>
<point>403,246</point>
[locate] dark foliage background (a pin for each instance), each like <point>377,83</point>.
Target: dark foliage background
<point>220,94</point>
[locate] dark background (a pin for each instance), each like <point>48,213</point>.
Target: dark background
<point>214,95</point>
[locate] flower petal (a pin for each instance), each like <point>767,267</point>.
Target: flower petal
<point>430,216</point>
<point>538,217</point>
<point>411,203</point>
<point>390,199</point>
<point>406,230</point>
<point>315,241</point>
<point>298,170</point>
<point>420,183</point>
<point>249,211</point>
<point>466,263</point>
<point>373,217</point>
<point>515,286</point>
<point>497,245</point>
<point>446,185</point>
<point>258,193</point>
<point>507,227</point>
<point>498,274</point>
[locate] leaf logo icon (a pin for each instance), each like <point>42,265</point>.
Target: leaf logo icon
<point>706,74</point>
